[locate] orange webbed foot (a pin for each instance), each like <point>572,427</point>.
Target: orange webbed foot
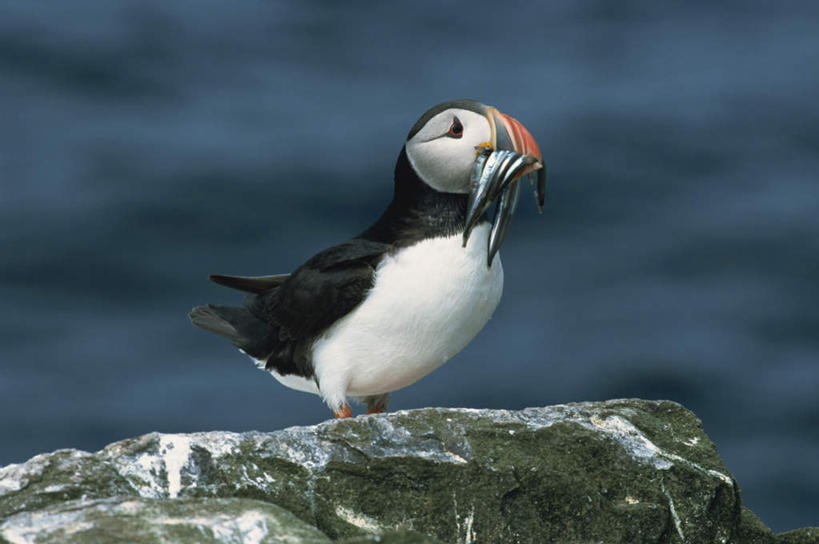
<point>376,404</point>
<point>344,411</point>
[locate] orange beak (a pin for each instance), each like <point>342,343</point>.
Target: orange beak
<point>522,140</point>
<point>509,133</point>
<point>499,164</point>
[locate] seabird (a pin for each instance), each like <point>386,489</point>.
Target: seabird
<point>378,312</point>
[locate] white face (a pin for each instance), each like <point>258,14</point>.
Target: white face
<point>442,155</point>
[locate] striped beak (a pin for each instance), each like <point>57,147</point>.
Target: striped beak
<point>499,165</point>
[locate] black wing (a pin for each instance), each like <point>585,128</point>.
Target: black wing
<point>316,295</point>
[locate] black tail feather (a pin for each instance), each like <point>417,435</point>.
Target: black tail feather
<point>250,284</point>
<point>242,328</point>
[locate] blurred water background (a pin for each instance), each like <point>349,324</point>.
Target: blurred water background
<point>144,144</point>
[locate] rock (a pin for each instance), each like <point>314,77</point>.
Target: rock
<point>808,535</point>
<point>617,471</point>
<point>751,530</point>
<point>158,520</point>
<point>401,537</point>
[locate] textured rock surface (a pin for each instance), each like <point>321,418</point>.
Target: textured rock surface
<point>155,520</point>
<point>618,471</point>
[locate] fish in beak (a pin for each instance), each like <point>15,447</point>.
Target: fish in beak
<point>499,165</point>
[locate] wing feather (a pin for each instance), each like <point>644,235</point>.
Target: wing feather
<point>250,284</point>
<point>317,294</point>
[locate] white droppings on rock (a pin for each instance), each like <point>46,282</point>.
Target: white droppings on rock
<point>28,527</point>
<point>252,526</point>
<point>693,441</point>
<point>248,528</point>
<point>54,488</point>
<point>154,463</point>
<point>142,471</point>
<point>641,448</point>
<point>11,478</point>
<point>219,444</point>
<point>16,476</point>
<point>301,446</point>
<point>175,450</point>
<point>632,440</point>
<point>448,455</point>
<point>724,477</point>
<point>617,427</point>
<point>397,441</point>
<point>359,520</point>
<point>155,472</point>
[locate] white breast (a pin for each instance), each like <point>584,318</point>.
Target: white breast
<point>428,301</point>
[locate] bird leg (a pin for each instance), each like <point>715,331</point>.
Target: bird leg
<point>343,411</point>
<point>376,404</point>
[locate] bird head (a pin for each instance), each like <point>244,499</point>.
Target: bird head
<point>445,142</point>
<point>464,146</point>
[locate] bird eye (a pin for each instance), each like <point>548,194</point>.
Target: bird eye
<point>456,129</point>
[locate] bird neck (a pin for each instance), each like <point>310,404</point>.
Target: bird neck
<point>417,211</point>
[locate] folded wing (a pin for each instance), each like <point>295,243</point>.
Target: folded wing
<point>284,314</point>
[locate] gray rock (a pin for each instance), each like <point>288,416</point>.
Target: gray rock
<point>224,521</point>
<point>808,535</point>
<point>617,471</point>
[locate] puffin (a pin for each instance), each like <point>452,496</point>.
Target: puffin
<point>378,312</point>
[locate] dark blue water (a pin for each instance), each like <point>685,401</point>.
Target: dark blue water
<point>145,144</point>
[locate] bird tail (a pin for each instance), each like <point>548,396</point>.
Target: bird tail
<point>246,331</point>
